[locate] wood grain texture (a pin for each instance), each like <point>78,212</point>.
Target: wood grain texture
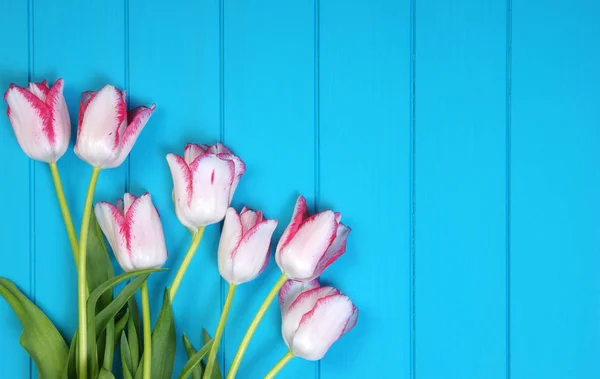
<point>177,67</point>
<point>364,173</point>
<point>268,60</point>
<point>555,244</point>
<point>461,194</point>
<point>16,254</point>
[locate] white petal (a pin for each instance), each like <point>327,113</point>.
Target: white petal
<point>302,254</point>
<point>146,237</point>
<point>249,219</point>
<point>291,289</point>
<point>113,226</point>
<point>182,189</point>
<point>211,178</point>
<point>323,326</point>
<point>299,307</point>
<point>127,200</point>
<point>218,148</point>
<point>252,254</point>
<point>299,215</point>
<point>240,169</point>
<point>61,121</point>
<point>40,90</point>
<point>337,248</point>
<point>231,236</point>
<point>104,121</point>
<point>136,119</point>
<point>192,151</point>
<point>29,116</point>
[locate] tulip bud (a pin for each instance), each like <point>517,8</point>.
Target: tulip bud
<point>204,181</point>
<point>244,245</point>
<point>314,319</point>
<point>106,132</point>
<point>310,244</point>
<point>40,119</point>
<point>134,232</point>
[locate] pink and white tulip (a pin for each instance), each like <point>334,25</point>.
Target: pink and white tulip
<point>204,181</point>
<point>244,245</point>
<point>40,119</point>
<point>106,132</point>
<point>310,244</point>
<point>314,319</point>
<point>134,232</point>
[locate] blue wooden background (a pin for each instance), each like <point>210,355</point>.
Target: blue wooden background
<point>460,139</point>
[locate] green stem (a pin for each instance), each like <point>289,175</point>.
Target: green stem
<point>81,275</point>
<point>147,331</point>
<point>235,365</point>
<point>64,208</point>
<point>212,355</point>
<point>279,365</point>
<point>186,261</point>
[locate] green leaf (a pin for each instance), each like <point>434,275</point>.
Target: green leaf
<point>111,310</point>
<point>198,371</point>
<point>216,374</point>
<point>109,352</point>
<point>97,323</point>
<point>39,337</point>
<point>164,341</point>
<point>194,361</point>
<point>140,370</point>
<point>134,313</point>
<point>99,266</point>
<point>125,357</point>
<point>105,374</point>
<point>134,346</point>
<point>120,326</point>
<point>100,348</point>
<point>71,366</point>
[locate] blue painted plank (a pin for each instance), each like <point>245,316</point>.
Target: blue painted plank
<point>174,62</point>
<point>81,42</point>
<point>16,263</point>
<point>555,250</point>
<point>364,149</point>
<point>461,193</point>
<point>269,114</point>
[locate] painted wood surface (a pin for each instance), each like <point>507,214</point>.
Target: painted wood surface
<point>459,139</point>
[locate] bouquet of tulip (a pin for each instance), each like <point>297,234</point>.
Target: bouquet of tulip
<point>204,181</point>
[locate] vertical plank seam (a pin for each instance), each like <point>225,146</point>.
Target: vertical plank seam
<point>317,121</point>
<point>222,140</point>
<point>32,268</point>
<point>508,179</point>
<point>412,200</point>
<point>127,86</point>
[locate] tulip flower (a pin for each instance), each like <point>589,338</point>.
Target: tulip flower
<point>315,319</point>
<point>310,244</point>
<point>306,248</point>
<point>106,132</point>
<point>244,245</point>
<point>40,119</point>
<point>204,181</point>
<point>134,232</point>
<point>243,255</point>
